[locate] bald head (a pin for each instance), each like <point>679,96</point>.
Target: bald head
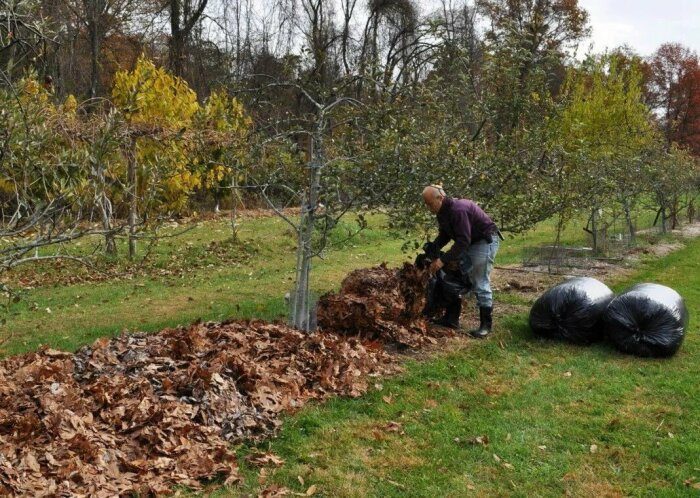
<point>433,197</point>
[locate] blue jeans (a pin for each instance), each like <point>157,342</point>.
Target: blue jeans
<point>482,255</point>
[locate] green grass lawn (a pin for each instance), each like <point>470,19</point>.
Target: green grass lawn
<point>552,419</point>
<point>250,281</point>
<point>541,406</point>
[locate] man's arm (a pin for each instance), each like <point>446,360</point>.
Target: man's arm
<point>441,239</point>
<point>463,229</point>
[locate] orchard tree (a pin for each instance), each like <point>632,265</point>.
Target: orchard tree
<point>606,133</point>
<point>321,183</point>
<point>673,175</point>
<point>222,149</point>
<point>158,108</point>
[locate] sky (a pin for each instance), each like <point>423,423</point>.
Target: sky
<point>642,24</point>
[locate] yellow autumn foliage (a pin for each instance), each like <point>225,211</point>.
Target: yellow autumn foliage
<point>225,115</point>
<point>151,96</point>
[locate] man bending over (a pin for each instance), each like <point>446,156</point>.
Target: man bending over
<point>475,237</point>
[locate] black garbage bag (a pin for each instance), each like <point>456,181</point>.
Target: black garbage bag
<point>448,284</point>
<point>647,320</point>
<point>571,311</point>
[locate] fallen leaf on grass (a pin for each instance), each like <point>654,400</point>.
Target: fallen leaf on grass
<point>274,491</point>
<point>311,491</point>
<point>502,462</point>
<point>394,427</point>
<point>262,459</point>
<point>388,399</point>
<point>480,440</point>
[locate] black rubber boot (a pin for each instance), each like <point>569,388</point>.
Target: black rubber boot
<point>451,318</point>
<point>485,323</point>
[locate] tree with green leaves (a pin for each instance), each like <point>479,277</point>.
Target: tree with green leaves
<point>606,133</point>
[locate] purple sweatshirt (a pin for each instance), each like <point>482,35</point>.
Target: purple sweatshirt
<point>464,222</point>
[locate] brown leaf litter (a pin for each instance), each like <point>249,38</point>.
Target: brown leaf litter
<point>140,414</point>
<point>381,304</point>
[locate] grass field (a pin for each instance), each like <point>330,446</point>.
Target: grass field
<point>512,416</point>
<point>186,281</point>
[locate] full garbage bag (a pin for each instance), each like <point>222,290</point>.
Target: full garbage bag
<point>647,320</point>
<point>446,285</point>
<point>571,311</point>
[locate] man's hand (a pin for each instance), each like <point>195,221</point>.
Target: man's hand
<point>435,266</point>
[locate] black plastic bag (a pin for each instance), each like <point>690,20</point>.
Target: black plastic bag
<point>647,320</point>
<point>571,311</point>
<point>447,285</point>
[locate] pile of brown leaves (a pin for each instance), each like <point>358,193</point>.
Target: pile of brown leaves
<point>142,413</point>
<point>380,303</point>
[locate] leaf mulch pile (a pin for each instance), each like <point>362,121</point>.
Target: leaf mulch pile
<point>140,414</point>
<point>383,304</point>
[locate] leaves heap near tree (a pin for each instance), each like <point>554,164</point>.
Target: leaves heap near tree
<point>143,413</point>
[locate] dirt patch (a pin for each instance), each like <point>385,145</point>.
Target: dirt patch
<point>525,282</point>
<point>529,283</point>
<point>587,482</point>
<point>660,249</point>
<point>688,230</point>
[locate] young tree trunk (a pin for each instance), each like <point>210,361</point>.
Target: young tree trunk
<point>691,211</point>
<point>105,206</point>
<point>301,309</point>
<point>110,241</point>
<point>663,219</point>
<point>628,218</point>
<point>594,230</point>
<point>674,213</point>
<point>234,207</point>
<point>133,198</point>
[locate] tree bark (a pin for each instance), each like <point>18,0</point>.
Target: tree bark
<point>182,20</point>
<point>628,218</point>
<point>594,230</point>
<point>234,207</point>
<point>105,206</point>
<point>95,42</point>
<point>133,198</point>
<point>301,311</point>
<point>663,219</point>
